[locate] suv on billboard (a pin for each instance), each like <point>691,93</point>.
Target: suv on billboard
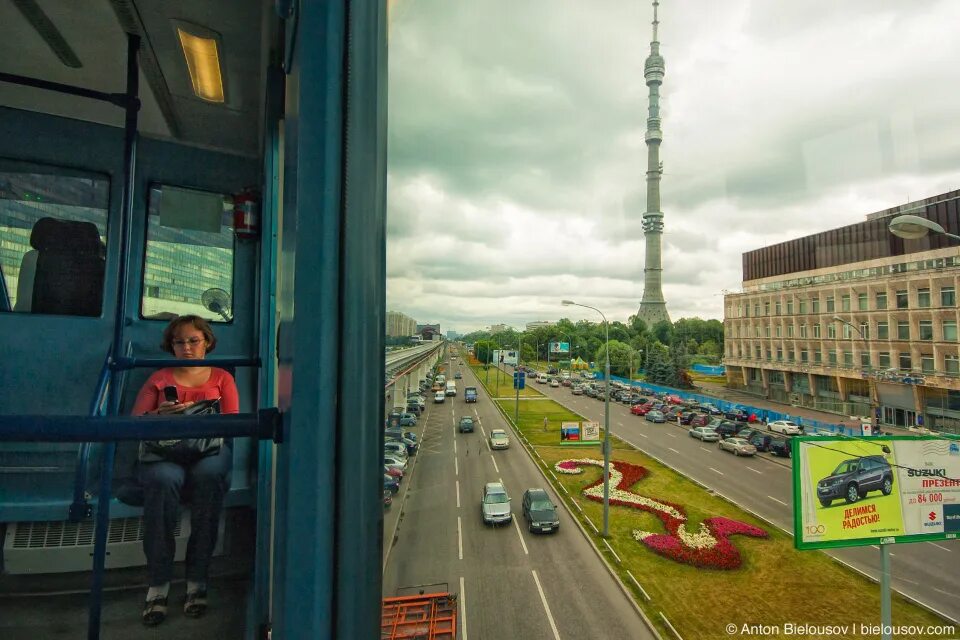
<point>854,478</point>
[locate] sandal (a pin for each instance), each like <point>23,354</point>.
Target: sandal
<point>196,604</point>
<point>155,611</point>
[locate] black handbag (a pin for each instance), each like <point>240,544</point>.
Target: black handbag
<point>184,449</point>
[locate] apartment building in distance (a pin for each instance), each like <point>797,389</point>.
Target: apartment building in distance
<point>400,324</point>
<point>854,320</point>
<point>540,324</point>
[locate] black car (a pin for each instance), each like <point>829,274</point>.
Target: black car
<point>779,447</point>
<point>686,417</point>
<point>738,415</point>
<point>540,512</point>
<point>413,407</point>
<point>466,424</point>
<point>758,439</point>
<point>728,428</point>
<point>853,479</point>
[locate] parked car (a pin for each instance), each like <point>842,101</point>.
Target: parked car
<point>738,415</point>
<point>397,449</point>
<point>540,512</point>
<point>457,376</point>
<point>711,409</point>
<point>779,447</point>
<point>576,390</point>
<point>395,462</point>
<point>758,439</point>
<point>785,427</point>
<point>466,425</point>
<point>439,397</point>
<point>495,504</point>
<point>728,428</point>
<point>706,434</point>
<point>554,382</point>
<point>853,479</point>
<point>566,382</point>
<point>410,446</point>
<point>392,471</point>
<point>639,409</point>
<point>414,407</point>
<point>408,420</point>
<point>499,439</point>
<point>654,416</point>
<point>700,420</point>
<point>737,446</point>
<point>390,483</point>
<point>746,433</point>
<point>590,392</point>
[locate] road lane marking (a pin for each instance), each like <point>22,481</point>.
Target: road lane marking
<point>783,503</point>
<point>619,561</point>
<point>672,449</point>
<point>590,522</point>
<point>675,632</point>
<point>672,435</point>
<point>459,539</point>
<point>940,547</point>
<point>522,543</point>
<point>715,471</point>
<point>458,494</point>
<point>546,607</point>
<point>554,475</point>
<point>642,590</point>
<point>643,435</point>
<point>707,450</point>
<point>483,431</point>
<point>494,461</point>
<point>456,467</point>
<point>462,601</point>
<point>619,424</point>
<point>454,447</point>
<point>754,470</point>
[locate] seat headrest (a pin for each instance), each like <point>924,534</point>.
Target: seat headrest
<point>67,236</point>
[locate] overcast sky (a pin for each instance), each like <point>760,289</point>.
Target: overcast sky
<point>517,156</point>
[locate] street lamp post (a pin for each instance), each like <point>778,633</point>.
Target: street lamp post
<point>606,419</point>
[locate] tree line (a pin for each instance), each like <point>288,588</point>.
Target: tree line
<point>663,351</point>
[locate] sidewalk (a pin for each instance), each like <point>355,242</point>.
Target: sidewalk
<point>732,395</point>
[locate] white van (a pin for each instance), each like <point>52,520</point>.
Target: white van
<point>542,378</point>
<point>451,388</point>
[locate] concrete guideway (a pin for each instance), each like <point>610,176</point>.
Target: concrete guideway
<point>511,583</point>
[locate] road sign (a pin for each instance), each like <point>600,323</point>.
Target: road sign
<point>519,380</point>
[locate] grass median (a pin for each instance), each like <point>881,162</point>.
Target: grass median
<point>775,585</point>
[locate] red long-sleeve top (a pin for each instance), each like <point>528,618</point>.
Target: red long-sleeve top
<point>219,385</point>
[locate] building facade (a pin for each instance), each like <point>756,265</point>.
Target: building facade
<point>399,324</point>
<point>500,328</point>
<point>539,324</point>
<point>855,321</point>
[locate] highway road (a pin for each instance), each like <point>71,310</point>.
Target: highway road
<point>923,571</point>
<point>511,583</point>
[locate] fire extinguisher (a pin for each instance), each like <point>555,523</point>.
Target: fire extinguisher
<point>246,214</point>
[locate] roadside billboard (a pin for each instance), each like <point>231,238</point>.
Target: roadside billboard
<point>505,357</point>
<point>863,491</point>
<point>559,347</point>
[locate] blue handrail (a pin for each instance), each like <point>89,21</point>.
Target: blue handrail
<point>80,508</point>
<point>126,362</point>
<point>4,294</point>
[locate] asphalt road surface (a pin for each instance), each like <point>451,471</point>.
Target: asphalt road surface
<point>511,583</point>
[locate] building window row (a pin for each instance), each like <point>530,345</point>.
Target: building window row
<point>947,295</point>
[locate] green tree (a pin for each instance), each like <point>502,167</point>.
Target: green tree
<point>620,356</point>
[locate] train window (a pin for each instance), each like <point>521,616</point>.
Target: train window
<point>188,266</point>
<point>53,231</point>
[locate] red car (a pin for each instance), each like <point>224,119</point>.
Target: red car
<point>640,409</point>
<point>673,399</point>
<point>700,420</point>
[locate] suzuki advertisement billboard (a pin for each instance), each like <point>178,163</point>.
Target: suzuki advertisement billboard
<point>866,491</point>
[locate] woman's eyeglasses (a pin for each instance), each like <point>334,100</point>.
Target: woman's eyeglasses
<point>189,341</point>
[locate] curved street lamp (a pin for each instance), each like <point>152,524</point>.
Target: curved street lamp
<point>912,227</point>
<point>606,419</point>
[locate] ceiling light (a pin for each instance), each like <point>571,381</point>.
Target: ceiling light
<point>203,63</point>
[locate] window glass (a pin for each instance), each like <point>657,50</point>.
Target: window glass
<point>803,306</point>
<point>816,305</point>
<point>847,332</point>
<point>948,297</point>
<point>816,330</point>
<point>926,363</point>
<point>882,300</point>
<point>789,330</point>
<point>902,300</point>
<point>832,356</point>
<point>883,331</point>
<point>950,330</point>
<point>926,329</point>
<point>951,364</point>
<point>778,331</point>
<point>883,359</point>
<point>903,330</point>
<point>778,308</point>
<point>53,232</point>
<point>789,307</point>
<point>864,359</point>
<point>923,297</point>
<point>905,362</point>
<point>830,306</point>
<point>832,331</point>
<point>804,355</point>
<point>845,302</point>
<point>189,260</point>
<point>817,356</point>
<point>861,302</point>
<point>864,330</point>
<point>848,358</point>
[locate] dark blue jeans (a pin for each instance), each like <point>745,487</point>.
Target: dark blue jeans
<point>204,482</point>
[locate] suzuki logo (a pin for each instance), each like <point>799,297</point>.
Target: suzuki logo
<point>931,516</point>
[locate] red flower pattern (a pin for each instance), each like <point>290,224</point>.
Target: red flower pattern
<point>708,549</point>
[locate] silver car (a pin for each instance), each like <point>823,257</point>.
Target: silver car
<point>705,434</point>
<point>495,504</point>
<point>499,439</point>
<point>737,446</point>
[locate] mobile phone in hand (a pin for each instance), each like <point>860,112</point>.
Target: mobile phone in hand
<point>170,394</point>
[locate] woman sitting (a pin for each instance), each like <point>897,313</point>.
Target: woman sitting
<point>171,468</point>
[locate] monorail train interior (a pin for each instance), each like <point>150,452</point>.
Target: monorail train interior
<point>222,158</point>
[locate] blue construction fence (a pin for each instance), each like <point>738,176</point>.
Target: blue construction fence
<point>710,370</point>
<point>809,426</point>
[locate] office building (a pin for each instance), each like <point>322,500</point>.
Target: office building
<point>854,320</point>
<point>400,325</point>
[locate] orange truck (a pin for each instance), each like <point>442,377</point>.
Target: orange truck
<point>424,616</point>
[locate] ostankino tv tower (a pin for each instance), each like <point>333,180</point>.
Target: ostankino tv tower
<point>653,308</point>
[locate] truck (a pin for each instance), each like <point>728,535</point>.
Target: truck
<point>470,394</point>
<point>451,388</point>
<point>424,616</point>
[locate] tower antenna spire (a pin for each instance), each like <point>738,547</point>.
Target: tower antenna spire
<point>653,308</point>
